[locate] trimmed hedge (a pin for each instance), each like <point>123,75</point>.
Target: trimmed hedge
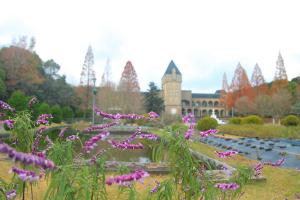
<point>290,120</point>
<point>235,120</point>
<point>207,123</point>
<point>252,119</point>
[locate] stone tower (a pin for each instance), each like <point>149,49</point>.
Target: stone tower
<point>171,89</point>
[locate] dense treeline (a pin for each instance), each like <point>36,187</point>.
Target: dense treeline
<point>23,74</point>
<point>275,99</point>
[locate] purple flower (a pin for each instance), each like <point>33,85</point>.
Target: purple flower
<point>226,154</point>
<point>126,179</point>
<point>37,139</point>
<point>208,132</point>
<point>62,132</point>
<point>153,115</point>
<point>32,101</point>
<point>258,169</point>
<point>72,138</point>
<point>227,186</point>
<point>190,121</point>
<point>49,144</point>
<point>102,126</point>
<point>36,143</point>
<point>278,163</point>
<point>41,130</point>
<point>11,194</point>
<point>156,187</point>
<point>26,158</point>
<point>133,136</point>
<point>43,119</point>
<point>26,175</point>
<point>124,145</point>
<point>5,106</point>
<point>92,142</point>
<point>149,136</point>
<point>94,158</point>
<point>9,123</point>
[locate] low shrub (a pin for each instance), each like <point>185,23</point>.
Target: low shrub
<point>290,120</point>
<point>252,119</point>
<point>235,120</point>
<point>207,123</point>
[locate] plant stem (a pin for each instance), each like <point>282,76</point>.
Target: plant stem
<point>31,191</point>
<point>24,186</point>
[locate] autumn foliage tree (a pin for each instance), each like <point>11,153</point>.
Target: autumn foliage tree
<point>240,86</point>
<point>129,90</point>
<point>23,68</point>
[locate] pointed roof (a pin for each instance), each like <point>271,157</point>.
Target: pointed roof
<point>171,67</point>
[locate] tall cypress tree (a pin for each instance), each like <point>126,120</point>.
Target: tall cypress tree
<point>153,101</point>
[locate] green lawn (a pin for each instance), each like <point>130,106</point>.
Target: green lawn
<point>261,131</point>
<point>280,184</point>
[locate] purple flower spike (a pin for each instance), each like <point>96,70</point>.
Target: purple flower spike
<point>49,144</point>
<point>258,169</point>
<point>156,187</point>
<point>32,101</point>
<point>149,136</point>
<point>227,186</point>
<point>133,136</point>
<point>226,154</point>
<point>102,126</point>
<point>190,121</point>
<point>153,115</point>
<point>208,132</point>
<point>26,158</point>
<point>37,139</point>
<point>5,106</point>
<point>278,163</point>
<point>43,119</point>
<point>126,179</point>
<point>11,194</point>
<point>62,132</point>
<point>72,138</point>
<point>123,145</point>
<point>92,142</point>
<point>26,175</point>
<point>9,123</point>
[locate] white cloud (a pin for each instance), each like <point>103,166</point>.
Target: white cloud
<point>204,38</point>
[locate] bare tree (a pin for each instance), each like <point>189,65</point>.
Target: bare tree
<point>281,104</point>
<point>263,105</point>
<point>280,79</point>
<point>244,105</point>
<point>87,76</point>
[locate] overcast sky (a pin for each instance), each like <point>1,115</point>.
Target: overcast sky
<point>204,38</point>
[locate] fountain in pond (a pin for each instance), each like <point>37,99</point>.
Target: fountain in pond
<point>213,115</point>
